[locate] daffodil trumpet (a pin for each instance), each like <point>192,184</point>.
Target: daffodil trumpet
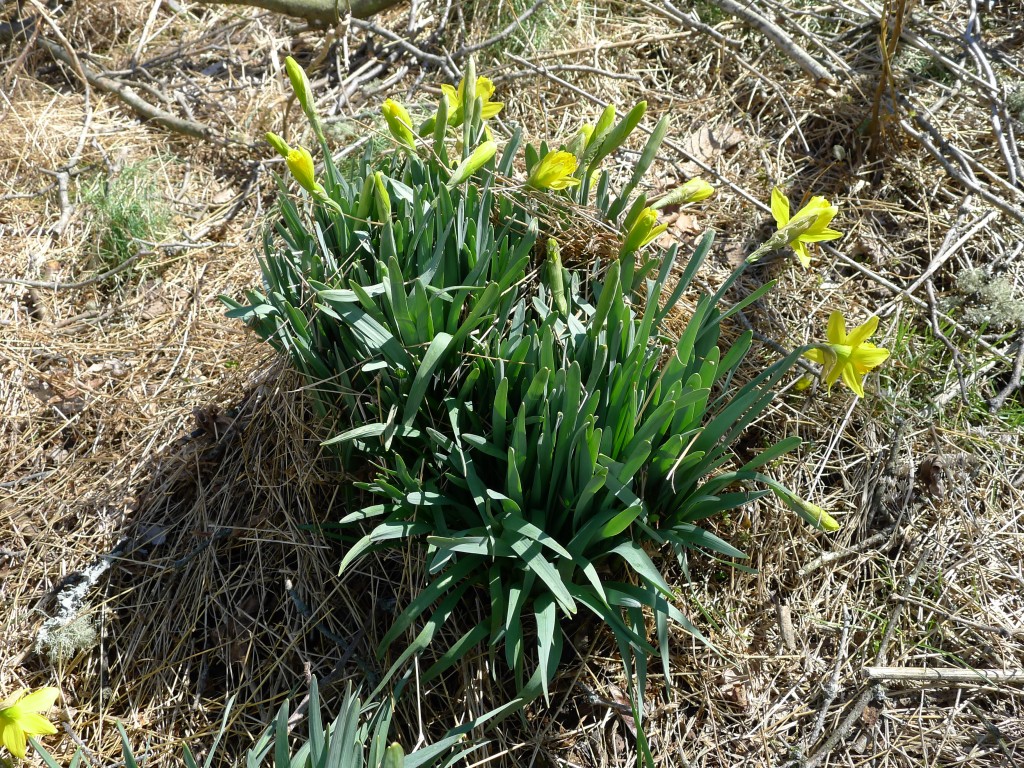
<point>554,171</point>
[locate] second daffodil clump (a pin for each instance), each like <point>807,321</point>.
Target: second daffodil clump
<point>21,717</point>
<point>848,356</point>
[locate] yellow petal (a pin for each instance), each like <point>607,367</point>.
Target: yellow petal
<point>802,253</point>
<point>780,207</point>
<point>868,356</point>
<point>484,88</point>
<point>836,328</point>
<point>815,356</point>
<point>35,725</point>
<point>491,108</point>
<point>863,332</point>
<point>451,93</point>
<point>13,738</point>
<point>819,237</point>
<point>852,380</point>
<point>39,701</point>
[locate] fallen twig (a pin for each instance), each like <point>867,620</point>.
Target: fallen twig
<point>945,674</point>
<point>781,38</point>
<point>1014,383</point>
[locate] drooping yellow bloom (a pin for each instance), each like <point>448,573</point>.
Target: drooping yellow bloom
<point>399,123</point>
<point>21,717</point>
<point>554,171</point>
<point>456,108</point>
<point>809,225</point>
<point>848,356</point>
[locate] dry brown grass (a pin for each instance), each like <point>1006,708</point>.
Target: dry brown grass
<point>138,420</point>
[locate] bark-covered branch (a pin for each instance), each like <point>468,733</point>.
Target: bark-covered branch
<point>317,11</point>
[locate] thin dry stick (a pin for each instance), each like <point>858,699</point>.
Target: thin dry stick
<point>839,554</point>
<point>781,38</point>
<point>510,29</point>
<point>55,286</point>
<point>1014,383</point>
<point>945,674</point>
<point>831,688</point>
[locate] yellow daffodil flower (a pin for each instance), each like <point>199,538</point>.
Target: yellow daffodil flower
<point>848,356</point>
<point>693,191</point>
<point>809,225</point>
<point>399,123</point>
<point>554,171</point>
<point>21,717</point>
<point>456,109</point>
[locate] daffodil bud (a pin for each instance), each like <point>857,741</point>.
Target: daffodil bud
<point>810,513</point>
<point>814,514</point>
<point>556,280</point>
<point>279,144</point>
<point>394,756</point>
<point>300,85</point>
<point>300,163</point>
<point>366,198</point>
<point>380,196</point>
<point>554,171</point>
<point>477,159</point>
<point>399,123</point>
<point>693,191</point>
<point>643,231</point>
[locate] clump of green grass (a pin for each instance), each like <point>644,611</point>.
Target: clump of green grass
<point>126,208</point>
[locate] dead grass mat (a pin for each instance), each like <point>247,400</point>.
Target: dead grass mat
<point>141,422</point>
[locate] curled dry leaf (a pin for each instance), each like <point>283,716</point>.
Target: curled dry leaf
<point>933,470</point>
<point>707,144</point>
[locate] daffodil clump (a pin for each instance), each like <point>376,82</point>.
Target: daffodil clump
<point>534,431</point>
<point>21,718</point>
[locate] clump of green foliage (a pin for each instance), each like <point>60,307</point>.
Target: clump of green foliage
<point>533,427</point>
<point>127,208</point>
<point>356,738</point>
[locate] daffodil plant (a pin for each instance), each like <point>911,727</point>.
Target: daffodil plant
<point>533,430</point>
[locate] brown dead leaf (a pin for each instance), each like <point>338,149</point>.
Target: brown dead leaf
<point>734,689</point>
<point>932,471</point>
<point>869,718</point>
<point>707,144</point>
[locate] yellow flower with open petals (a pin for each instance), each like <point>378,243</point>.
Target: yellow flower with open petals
<point>554,171</point>
<point>848,356</point>
<point>809,225</point>
<point>21,717</point>
<point>456,108</point>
